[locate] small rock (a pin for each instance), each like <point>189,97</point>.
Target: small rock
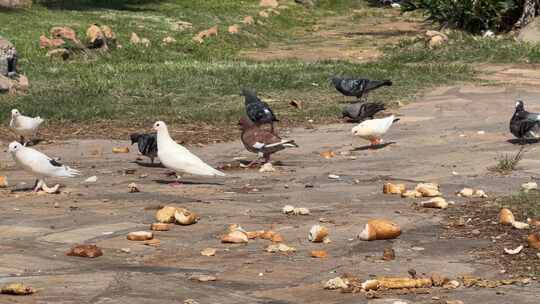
<point>233,29</point>
<point>454,302</point>
<point>336,283</point>
<point>208,252</point>
<point>182,26</point>
<point>58,53</point>
<point>125,250</point>
<point>333,176</point>
<point>481,132</point>
<point>526,187</point>
<point>389,254</point>
<point>248,20</point>
<point>133,188</point>
<point>190,301</point>
<point>320,254</point>
<point>86,251</point>
<point>452,284</point>
<point>91,179</point>
<point>203,278</point>
<point>475,232</point>
<point>199,38</point>
<point>140,236</point>
<point>169,40</point>
<point>145,42</point>
<point>438,280</point>
<point>264,14</point>
<point>135,38</point>
<point>288,209</point>
<point>120,150</point>
<point>280,248</point>
<point>267,168</point>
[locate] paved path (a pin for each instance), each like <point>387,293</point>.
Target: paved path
<point>436,136</point>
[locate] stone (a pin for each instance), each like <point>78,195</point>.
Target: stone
<point>45,42</point>
<point>12,4</point>
<point>531,32</point>
<point>64,32</point>
<point>58,53</point>
<point>248,20</point>
<point>182,26</point>
<point>233,29</point>
<point>5,84</point>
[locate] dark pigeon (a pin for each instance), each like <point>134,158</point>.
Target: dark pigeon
<point>147,144</point>
<point>12,65</point>
<point>358,112</point>
<point>257,140</point>
<point>525,125</point>
<point>257,110</point>
<point>358,87</point>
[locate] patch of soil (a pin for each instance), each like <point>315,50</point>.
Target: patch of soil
<point>479,220</point>
<point>347,37</point>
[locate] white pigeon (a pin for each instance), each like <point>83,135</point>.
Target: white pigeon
<point>39,164</point>
<point>24,125</point>
<point>177,157</point>
<point>373,129</point>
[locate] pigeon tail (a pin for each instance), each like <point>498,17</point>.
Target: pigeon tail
<point>69,172</point>
<point>395,120</point>
<point>134,137</point>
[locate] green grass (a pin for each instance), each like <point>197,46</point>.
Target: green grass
<point>527,205</point>
<point>507,163</point>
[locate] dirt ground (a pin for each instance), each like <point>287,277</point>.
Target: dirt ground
<point>437,140</point>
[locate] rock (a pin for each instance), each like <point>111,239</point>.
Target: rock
<point>145,42</point>
<point>85,251</point>
<point>17,289</point>
<point>317,233</point>
<point>531,32</point>
<point>5,84</point>
<point>336,283</point>
<point>269,3</point>
<point>279,248</point>
<point>134,38</point>
<point>266,168</point>
<point>185,217</point>
<point>526,187</point>
<point>22,84</point>
<point>454,302</point>
<point>58,53</point>
<point>95,37</point>
<point>235,237</point>
<point>248,20</point>
<point>182,26</point>
<point>389,254</point>
<point>264,14</point>
<point>203,278</point>
<point>91,179</point>
<point>45,42</point>
<point>288,209</point>
<point>120,150</point>
<point>233,29</point>
<point>13,4</point>
<point>208,252</point>
<point>169,40</point>
<point>133,188</point>
<point>199,38</point>
<point>65,33</point>
<point>435,39</point>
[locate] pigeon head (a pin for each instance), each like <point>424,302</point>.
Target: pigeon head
<point>361,130</point>
<point>247,92</point>
<point>160,126</point>
<point>15,112</point>
<point>134,137</point>
<point>520,106</point>
<point>245,123</point>
<point>14,147</point>
<point>336,80</point>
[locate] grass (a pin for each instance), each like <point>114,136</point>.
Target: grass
<point>190,83</point>
<point>508,162</point>
<point>527,204</point>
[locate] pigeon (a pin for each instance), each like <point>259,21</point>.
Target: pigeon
<point>257,110</point>
<point>373,129</point>
<point>261,141</point>
<point>177,157</point>
<point>24,125</point>
<point>147,144</point>
<point>359,112</point>
<point>525,125</point>
<point>358,87</point>
<point>39,164</point>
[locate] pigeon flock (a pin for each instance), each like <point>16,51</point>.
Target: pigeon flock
<point>254,136</point>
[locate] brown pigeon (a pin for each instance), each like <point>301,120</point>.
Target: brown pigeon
<point>261,141</point>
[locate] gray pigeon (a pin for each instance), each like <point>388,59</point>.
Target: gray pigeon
<point>525,125</point>
<point>358,87</point>
<point>257,110</point>
<point>358,112</point>
<point>147,144</point>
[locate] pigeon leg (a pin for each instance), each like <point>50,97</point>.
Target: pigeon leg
<point>273,129</point>
<point>253,163</point>
<point>38,186</point>
<point>375,141</point>
<point>266,158</point>
<point>177,182</point>
<point>152,160</point>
